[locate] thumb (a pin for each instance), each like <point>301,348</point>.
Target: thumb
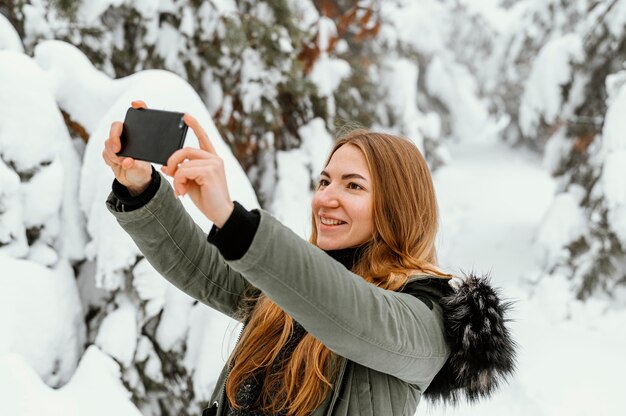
<point>128,163</point>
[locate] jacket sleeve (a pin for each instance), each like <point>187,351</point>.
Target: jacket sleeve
<point>178,249</point>
<point>394,333</point>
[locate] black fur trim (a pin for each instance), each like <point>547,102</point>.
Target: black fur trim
<point>483,354</point>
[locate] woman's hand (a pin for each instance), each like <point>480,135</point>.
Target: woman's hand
<point>133,174</point>
<point>199,173</point>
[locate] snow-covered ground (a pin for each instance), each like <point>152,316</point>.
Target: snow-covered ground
<point>492,200</point>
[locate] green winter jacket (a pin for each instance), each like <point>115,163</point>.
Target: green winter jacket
<point>392,343</point>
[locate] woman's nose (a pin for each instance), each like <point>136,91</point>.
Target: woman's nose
<point>328,197</point>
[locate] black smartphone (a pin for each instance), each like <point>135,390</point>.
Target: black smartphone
<point>152,135</point>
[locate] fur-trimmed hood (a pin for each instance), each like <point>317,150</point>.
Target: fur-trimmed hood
<point>483,353</point>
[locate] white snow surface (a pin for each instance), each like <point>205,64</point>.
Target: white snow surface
<point>52,316</point>
<point>613,152</point>
<point>421,24</point>
<point>396,75</point>
<point>117,335</point>
<point>563,224</point>
<point>551,70</point>
<point>41,318</point>
<point>492,201</point>
<point>35,142</point>
<point>328,72</point>
<point>453,84</point>
<point>95,389</point>
<point>9,39</point>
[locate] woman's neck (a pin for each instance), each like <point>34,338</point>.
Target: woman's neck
<point>349,257</point>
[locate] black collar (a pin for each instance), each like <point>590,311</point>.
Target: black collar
<point>349,257</point>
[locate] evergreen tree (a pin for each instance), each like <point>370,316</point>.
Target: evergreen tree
<point>553,77</point>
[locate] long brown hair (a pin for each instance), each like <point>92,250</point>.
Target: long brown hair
<point>405,216</point>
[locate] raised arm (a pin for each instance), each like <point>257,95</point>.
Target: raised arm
<point>178,249</point>
<point>144,205</point>
<point>391,332</point>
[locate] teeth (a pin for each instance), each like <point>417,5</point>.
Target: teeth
<point>328,221</point>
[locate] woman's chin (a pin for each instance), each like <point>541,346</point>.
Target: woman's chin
<point>330,245</point>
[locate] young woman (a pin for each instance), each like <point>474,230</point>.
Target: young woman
<point>358,321</point>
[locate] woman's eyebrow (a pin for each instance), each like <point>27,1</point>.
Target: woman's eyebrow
<point>346,176</point>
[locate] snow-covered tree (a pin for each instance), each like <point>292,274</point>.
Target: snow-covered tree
<point>558,74</point>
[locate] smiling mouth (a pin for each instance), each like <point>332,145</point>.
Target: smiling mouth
<point>328,221</point>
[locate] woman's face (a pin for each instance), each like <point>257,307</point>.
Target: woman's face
<point>342,204</point>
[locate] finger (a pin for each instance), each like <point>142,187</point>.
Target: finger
<point>203,138</point>
<point>179,183</point>
<point>214,160</point>
<point>138,104</point>
<point>180,155</point>
<point>128,163</point>
<point>112,156</point>
<point>114,135</point>
<point>107,159</point>
<point>197,163</point>
<point>189,174</point>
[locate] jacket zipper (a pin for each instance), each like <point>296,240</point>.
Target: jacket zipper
<point>229,368</point>
<point>342,370</point>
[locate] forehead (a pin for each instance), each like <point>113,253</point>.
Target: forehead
<point>348,159</point>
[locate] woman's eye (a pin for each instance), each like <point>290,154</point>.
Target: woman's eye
<point>322,182</point>
<point>353,185</point>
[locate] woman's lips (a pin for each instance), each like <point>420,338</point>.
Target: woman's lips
<point>331,221</point>
<point>330,224</point>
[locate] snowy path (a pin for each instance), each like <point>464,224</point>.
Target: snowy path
<point>492,199</point>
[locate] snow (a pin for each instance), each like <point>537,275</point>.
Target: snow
<point>95,389</point>
<point>148,8</point>
<point>456,87</point>
<point>557,145</point>
<point>25,96</point>
<point>150,287</point>
<point>9,39</point>
<point>290,204</point>
<point>170,333</point>
<point>326,32</point>
<point>52,315</point>
<point>317,143</point>
<point>499,18</point>
<point>68,72</point>
<point>12,233</point>
<point>187,24</point>
<point>614,184</point>
<point>613,151</point>
<point>552,69</point>
<point>328,72</point>
<point>169,40</point>
<point>612,132</point>
<point>563,224</point>
<point>41,318</point>
<point>41,152</point>
<point>251,86</point>
<point>210,340</point>
<point>35,23</point>
<point>614,179</point>
<point>117,335</point>
<point>397,74</point>
<point>616,18</point>
<point>421,24</point>
<point>89,11</point>
<point>492,200</point>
